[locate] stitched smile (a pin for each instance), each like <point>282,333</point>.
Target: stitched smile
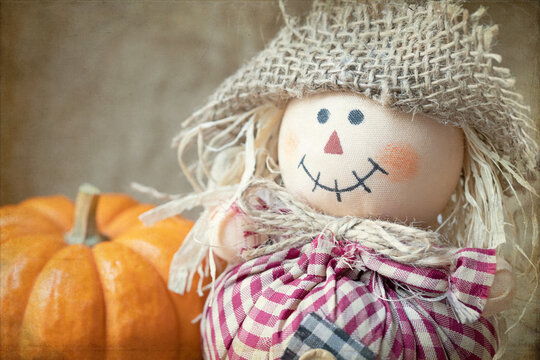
<point>335,189</point>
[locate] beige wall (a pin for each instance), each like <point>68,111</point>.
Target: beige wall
<point>93,91</point>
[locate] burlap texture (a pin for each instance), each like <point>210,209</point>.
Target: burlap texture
<point>428,57</point>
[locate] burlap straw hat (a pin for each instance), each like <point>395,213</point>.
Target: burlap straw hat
<point>430,57</point>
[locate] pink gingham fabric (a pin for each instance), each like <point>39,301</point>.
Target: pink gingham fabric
<point>276,305</point>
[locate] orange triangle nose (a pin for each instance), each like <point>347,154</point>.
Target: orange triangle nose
<point>333,146</point>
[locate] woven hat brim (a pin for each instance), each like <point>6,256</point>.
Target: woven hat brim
<point>433,58</point>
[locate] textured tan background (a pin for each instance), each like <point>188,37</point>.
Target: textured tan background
<point>93,91</point>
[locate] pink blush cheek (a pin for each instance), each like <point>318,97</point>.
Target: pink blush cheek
<point>290,143</point>
<point>400,160</point>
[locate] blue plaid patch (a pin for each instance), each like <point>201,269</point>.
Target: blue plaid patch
<point>317,333</point>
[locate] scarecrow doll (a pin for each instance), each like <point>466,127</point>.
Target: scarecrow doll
<point>355,177</point>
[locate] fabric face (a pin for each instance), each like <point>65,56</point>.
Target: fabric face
<point>347,155</point>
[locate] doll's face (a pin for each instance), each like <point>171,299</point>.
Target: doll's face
<point>347,155</point>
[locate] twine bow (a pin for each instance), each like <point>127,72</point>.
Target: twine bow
<point>288,222</point>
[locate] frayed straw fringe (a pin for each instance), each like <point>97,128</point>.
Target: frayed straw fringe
<point>300,224</point>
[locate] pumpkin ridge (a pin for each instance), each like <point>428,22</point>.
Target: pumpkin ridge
<point>124,220</point>
<point>119,202</point>
<point>45,321</point>
<point>102,295</point>
<point>17,221</point>
<point>158,244</point>
<point>57,208</point>
<point>93,257</point>
<point>169,295</point>
<point>59,246</point>
<point>100,252</point>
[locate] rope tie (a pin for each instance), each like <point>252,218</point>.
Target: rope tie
<point>287,222</point>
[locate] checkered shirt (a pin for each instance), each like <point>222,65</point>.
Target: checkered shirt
<point>283,304</point>
<point>317,333</point>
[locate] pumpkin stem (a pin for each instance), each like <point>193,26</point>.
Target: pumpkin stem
<point>85,229</point>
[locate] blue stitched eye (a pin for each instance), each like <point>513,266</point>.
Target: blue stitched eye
<point>356,117</point>
<point>322,116</point>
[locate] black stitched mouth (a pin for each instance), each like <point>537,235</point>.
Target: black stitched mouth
<point>359,181</point>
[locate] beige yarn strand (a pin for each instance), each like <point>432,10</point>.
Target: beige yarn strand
<point>294,224</point>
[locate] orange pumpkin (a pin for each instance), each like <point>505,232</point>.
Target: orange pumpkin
<point>70,294</point>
